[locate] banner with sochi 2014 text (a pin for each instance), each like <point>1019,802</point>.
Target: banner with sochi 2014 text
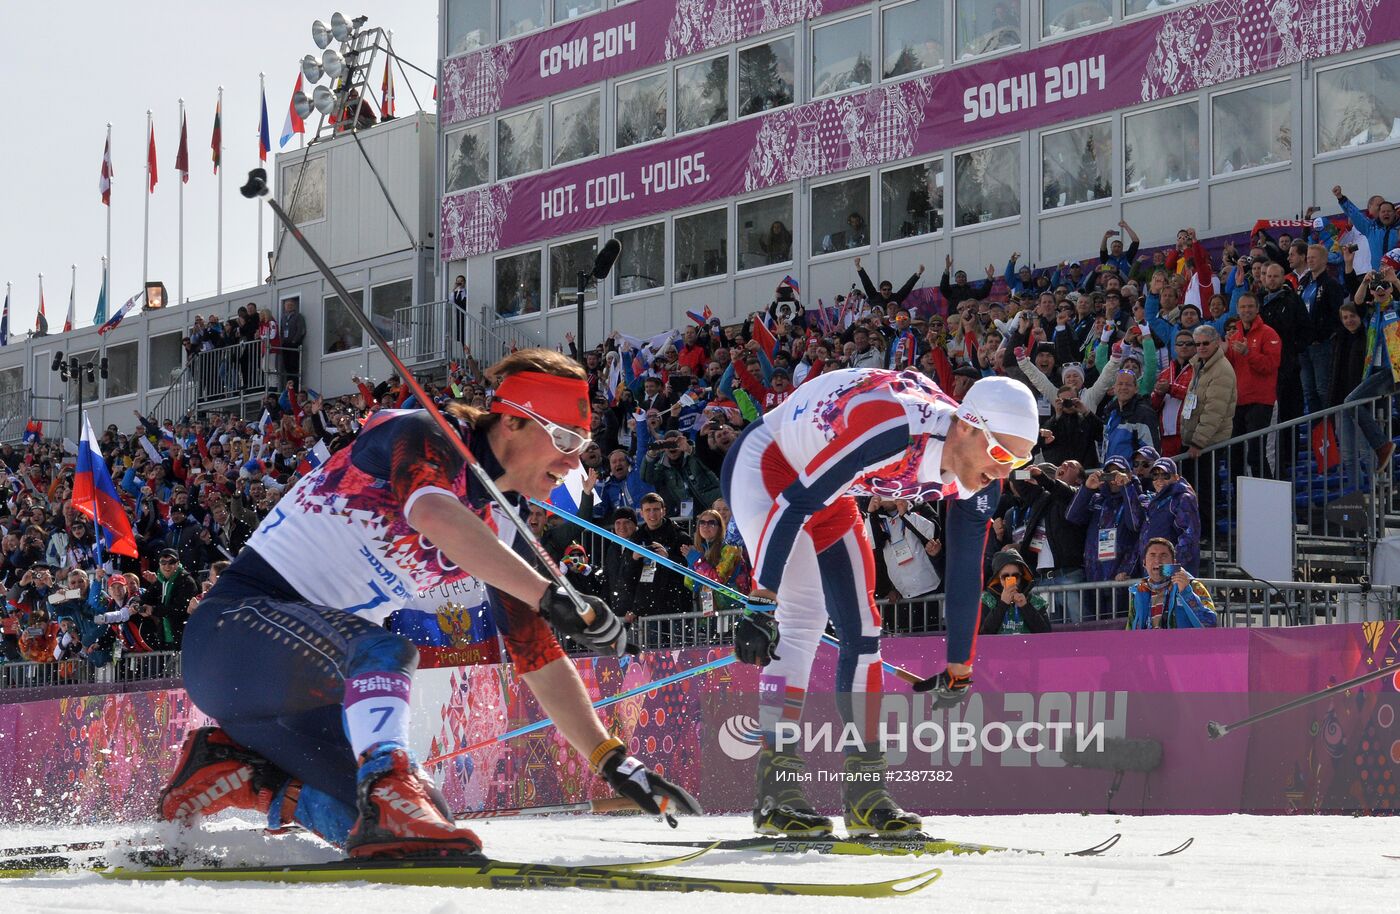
<point>1203,45</point>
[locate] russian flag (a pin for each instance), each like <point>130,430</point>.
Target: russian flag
<point>569,493</point>
<point>264,138</point>
<point>703,318</point>
<point>122,312</point>
<point>314,458</point>
<point>789,281</point>
<point>95,496</point>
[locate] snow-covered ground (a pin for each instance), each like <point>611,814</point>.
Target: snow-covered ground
<point>1238,863</point>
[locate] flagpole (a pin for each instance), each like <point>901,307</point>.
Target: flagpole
<point>72,316</point>
<point>109,205</point>
<point>219,272</point>
<point>146,226</point>
<point>262,95</point>
<point>180,281</point>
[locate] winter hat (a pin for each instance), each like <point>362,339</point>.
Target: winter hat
<point>1003,407</point>
<point>1391,259</point>
<point>1073,368</point>
<point>1193,306</point>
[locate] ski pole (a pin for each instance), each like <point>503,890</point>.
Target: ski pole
<point>685,571</point>
<point>1217,729</point>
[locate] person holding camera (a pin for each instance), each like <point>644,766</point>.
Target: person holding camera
<point>678,475</point>
<point>1377,294</point>
<point>1008,606</point>
<point>1109,506</point>
<point>1168,596</point>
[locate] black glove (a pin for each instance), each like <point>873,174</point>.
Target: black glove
<point>606,635</point>
<point>631,779</point>
<point>948,690</point>
<point>756,634</point>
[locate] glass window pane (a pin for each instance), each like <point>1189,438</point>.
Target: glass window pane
<point>1060,16</point>
<point>841,56</point>
<point>766,76</point>
<point>385,300</point>
<point>89,390</point>
<point>342,331</point>
<point>642,263</point>
<point>911,200</point>
<point>1161,147</point>
<point>912,37</point>
<point>641,110</point>
<point>1142,6</point>
<point>985,26</point>
<point>468,25</point>
<point>840,216</point>
<point>575,128</point>
<point>565,262</point>
<point>121,370</point>
<point>702,94</point>
<point>12,381</point>
<point>304,202</point>
<point>1076,166</point>
<point>1251,128</point>
<point>765,232</point>
<point>469,157</point>
<point>167,356</point>
<point>518,284</point>
<point>1358,105</point>
<point>702,245</point>
<point>988,184</point>
<point>565,10</point>
<point>521,16</point>
<point>519,144</point>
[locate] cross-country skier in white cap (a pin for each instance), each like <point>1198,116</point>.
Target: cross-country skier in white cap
<point>791,481</point>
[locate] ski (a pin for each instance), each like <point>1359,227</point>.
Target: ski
<point>865,847</point>
<point>1179,848</point>
<point>482,872</point>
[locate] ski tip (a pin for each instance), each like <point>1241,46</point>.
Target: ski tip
<point>908,885</point>
<point>1179,848</point>
<point>1099,848</point>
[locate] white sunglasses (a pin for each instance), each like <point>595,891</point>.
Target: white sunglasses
<point>565,440</point>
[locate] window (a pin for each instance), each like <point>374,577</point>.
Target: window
<point>911,200</point>
<point>912,37</point>
<point>985,26</point>
<point>987,183</point>
<point>841,56</point>
<point>121,370</point>
<point>1131,7</point>
<point>468,25</point>
<point>641,110</point>
<point>765,232</point>
<point>840,216</point>
<point>469,157</point>
<point>766,76</point>
<point>1059,17</point>
<point>565,262</point>
<point>521,16</point>
<point>303,190</point>
<point>341,331</point>
<point>1358,105</point>
<point>12,379</point>
<point>575,128</point>
<point>564,10</point>
<point>702,245</point>
<point>519,144</point>
<point>385,300</point>
<point>1076,165</point>
<point>702,94</point>
<point>1161,147</point>
<point>518,284</point>
<point>89,387</point>
<point>642,263</point>
<point>167,357</point>
<point>1250,128</point>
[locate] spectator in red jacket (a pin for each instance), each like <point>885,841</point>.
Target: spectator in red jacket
<point>1254,350</point>
<point>692,355</point>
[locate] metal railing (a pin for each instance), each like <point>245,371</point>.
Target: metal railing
<point>236,375</point>
<point>434,333</point>
<point>127,668</point>
<point>178,400</point>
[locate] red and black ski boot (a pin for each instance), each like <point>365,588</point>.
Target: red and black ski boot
<point>402,813</point>
<point>213,774</point>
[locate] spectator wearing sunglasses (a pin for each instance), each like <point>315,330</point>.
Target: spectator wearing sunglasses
<point>168,592</point>
<point>1172,514</point>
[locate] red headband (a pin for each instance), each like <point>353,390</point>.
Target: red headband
<point>561,400</point>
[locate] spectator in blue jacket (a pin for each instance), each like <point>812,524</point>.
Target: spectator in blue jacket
<point>623,487</point>
<point>1382,230</point>
<point>1172,514</point>
<point>1169,597</point>
<point>1109,507</point>
<point>1113,253</point>
<point>1020,280</point>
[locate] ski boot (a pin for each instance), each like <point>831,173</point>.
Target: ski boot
<point>870,810</point>
<point>402,813</point>
<point>782,807</point>
<point>213,774</point>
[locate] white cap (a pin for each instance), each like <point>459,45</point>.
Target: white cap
<point>1004,406</point>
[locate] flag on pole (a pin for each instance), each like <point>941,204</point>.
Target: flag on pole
<point>216,142</point>
<point>314,458</point>
<point>100,317</point>
<point>95,496</point>
<point>104,183</point>
<point>122,312</point>
<point>68,320</point>
<point>386,88</point>
<point>182,155</point>
<point>293,124</point>
<point>764,337</point>
<point>264,137</point>
<point>5,322</point>
<point>151,160</point>
<point>41,321</point>
<point>702,318</point>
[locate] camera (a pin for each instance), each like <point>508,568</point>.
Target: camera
<point>1168,570</point>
